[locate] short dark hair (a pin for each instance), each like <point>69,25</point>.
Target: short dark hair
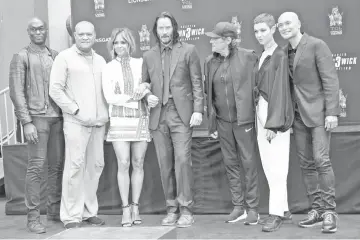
<point>173,23</point>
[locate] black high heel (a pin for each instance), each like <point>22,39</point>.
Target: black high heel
<point>136,220</point>
<point>126,224</point>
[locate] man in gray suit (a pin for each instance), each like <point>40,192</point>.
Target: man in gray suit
<point>315,93</point>
<point>172,70</point>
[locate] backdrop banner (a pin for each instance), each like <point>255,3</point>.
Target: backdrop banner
<point>210,188</point>
<point>334,21</point>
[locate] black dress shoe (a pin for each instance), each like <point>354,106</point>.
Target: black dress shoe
<point>272,224</point>
<point>313,219</point>
<point>329,224</point>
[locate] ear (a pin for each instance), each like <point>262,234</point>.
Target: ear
<point>228,40</point>
<point>273,29</point>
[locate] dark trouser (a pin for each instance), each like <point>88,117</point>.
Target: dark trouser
<point>240,141</point>
<point>50,148</point>
<point>313,146</point>
<point>172,141</point>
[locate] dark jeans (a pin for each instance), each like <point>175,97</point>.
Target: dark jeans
<point>172,141</point>
<point>313,146</point>
<point>50,148</point>
<point>240,141</point>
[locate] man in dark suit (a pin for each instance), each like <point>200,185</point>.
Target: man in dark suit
<point>315,93</point>
<point>172,70</point>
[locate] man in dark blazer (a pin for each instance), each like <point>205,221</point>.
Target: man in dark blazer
<point>173,72</point>
<point>315,93</point>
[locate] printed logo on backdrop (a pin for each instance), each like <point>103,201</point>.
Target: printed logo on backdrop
<point>190,32</point>
<point>186,4</point>
<point>99,8</point>
<point>342,98</point>
<point>144,38</point>
<point>336,22</point>
<point>235,21</point>
<point>344,61</point>
<point>102,40</point>
<point>138,1</point>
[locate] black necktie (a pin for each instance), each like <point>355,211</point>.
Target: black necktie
<point>166,75</point>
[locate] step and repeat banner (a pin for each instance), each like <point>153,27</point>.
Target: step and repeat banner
<point>334,21</point>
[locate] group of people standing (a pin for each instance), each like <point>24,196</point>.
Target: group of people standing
<point>65,100</point>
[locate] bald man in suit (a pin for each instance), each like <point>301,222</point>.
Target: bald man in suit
<point>315,93</point>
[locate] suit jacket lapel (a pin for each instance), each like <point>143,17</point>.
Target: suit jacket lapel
<point>158,65</point>
<point>286,49</point>
<point>300,50</point>
<point>175,54</point>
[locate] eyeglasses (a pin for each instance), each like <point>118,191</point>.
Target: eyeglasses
<point>285,24</point>
<point>40,29</point>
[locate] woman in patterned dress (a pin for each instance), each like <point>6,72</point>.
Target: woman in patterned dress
<point>128,113</point>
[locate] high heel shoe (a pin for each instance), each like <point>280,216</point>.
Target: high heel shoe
<point>126,224</point>
<point>135,216</point>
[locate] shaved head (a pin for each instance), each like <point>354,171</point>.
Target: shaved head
<point>289,15</point>
<point>37,31</point>
<point>84,24</point>
<point>84,36</point>
<point>289,25</point>
<point>36,20</point>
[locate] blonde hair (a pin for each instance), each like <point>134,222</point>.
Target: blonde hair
<point>128,37</point>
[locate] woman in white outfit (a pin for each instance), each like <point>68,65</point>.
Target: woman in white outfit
<point>274,118</point>
<point>128,132</point>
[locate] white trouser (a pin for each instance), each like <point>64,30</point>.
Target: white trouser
<point>84,163</point>
<point>275,161</point>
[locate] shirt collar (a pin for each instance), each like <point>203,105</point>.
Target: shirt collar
<point>37,49</point>
<point>170,46</point>
<point>291,49</point>
<point>82,53</point>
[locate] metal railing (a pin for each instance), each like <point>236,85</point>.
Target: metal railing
<point>8,121</point>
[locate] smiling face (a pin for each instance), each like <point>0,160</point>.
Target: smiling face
<point>121,46</point>
<point>37,31</point>
<point>263,33</point>
<point>288,25</point>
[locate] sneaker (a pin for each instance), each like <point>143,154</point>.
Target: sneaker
<point>252,218</point>
<point>272,224</point>
<point>237,214</point>
<point>170,219</point>
<point>329,224</point>
<point>185,220</point>
<point>72,225</point>
<point>313,219</point>
<point>287,218</point>
<point>36,226</point>
<point>95,221</point>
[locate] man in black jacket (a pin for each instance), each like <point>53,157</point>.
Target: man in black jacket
<point>230,107</point>
<point>42,121</point>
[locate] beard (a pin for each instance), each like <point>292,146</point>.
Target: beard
<point>166,39</point>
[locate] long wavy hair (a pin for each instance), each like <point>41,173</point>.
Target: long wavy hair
<point>128,37</point>
<point>175,34</point>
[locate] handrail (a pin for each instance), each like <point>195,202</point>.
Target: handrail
<point>9,136</point>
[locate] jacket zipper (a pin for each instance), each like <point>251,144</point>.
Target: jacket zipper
<point>226,93</point>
